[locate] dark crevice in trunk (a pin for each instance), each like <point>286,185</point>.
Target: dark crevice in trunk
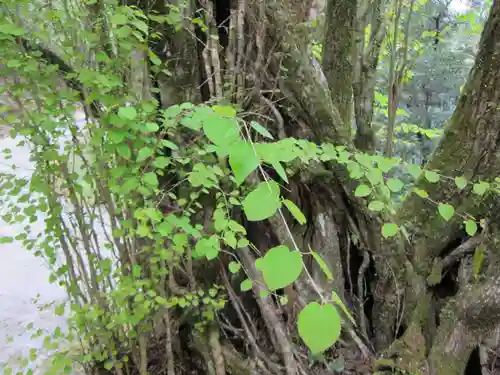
<point>448,287</point>
<point>201,40</point>
<point>222,17</point>
<point>401,330</point>
<point>474,363</point>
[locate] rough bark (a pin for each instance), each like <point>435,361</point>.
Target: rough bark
<point>367,58</point>
<point>340,31</point>
<point>470,147</point>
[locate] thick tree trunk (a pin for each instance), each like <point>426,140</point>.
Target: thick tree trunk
<point>469,148</point>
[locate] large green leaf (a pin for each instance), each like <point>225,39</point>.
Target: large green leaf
<point>262,202</point>
<point>242,160</point>
<point>221,131</point>
<point>280,267</point>
<point>319,326</point>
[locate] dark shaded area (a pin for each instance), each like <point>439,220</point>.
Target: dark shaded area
<point>474,363</point>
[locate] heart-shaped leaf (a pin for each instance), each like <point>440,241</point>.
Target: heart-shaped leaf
<point>280,267</point>
<point>461,182</point>
<point>242,160</point>
<point>319,326</point>
<point>262,202</point>
<point>446,211</point>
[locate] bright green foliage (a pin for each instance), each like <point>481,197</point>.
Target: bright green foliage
<point>295,211</point>
<point>246,285</point>
<point>376,206</point>
<point>336,300</point>
<point>477,260</point>
<point>431,176</point>
<point>470,227</point>
<point>262,202</point>
<point>480,188</point>
<point>261,130</point>
<point>280,267</point>
<point>389,230</point>
<point>221,131</point>
<point>242,160</point>
<point>319,326</point>
<point>322,264</point>
<point>234,267</point>
<point>446,211</point>
<point>362,190</point>
<point>394,185</point>
<point>461,182</point>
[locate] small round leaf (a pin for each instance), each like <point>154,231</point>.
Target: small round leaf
<point>446,211</point>
<point>362,191</point>
<point>389,230</point>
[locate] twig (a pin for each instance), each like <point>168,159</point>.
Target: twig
<point>361,292</point>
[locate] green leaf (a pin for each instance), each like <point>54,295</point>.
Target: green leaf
<point>261,130</point>
<point>262,202</point>
<point>477,260</point>
<point>224,110</point>
<point>375,176</point>
<point>389,230</point>
<point>221,131</point>
<point>161,162</point>
<point>234,267</point>
<point>119,19</point>
<point>295,211</point>
<point>144,153</point>
<point>376,206</point>
<point>124,151</point>
<point>319,326</point>
<point>279,169</point>
<point>362,190</point>
<point>414,170</point>
<point>446,211</point>
<point>421,193</point>
<point>280,267</point>
<point>461,182</point>
<point>431,176</point>
<point>480,188</point>
<point>242,160</point>
<point>169,144</point>
<point>127,113</point>
<point>394,185</point>
<point>470,227</point>
<point>150,179</point>
<point>322,264</point>
<point>246,285</point>
<point>208,247</point>
<point>336,300</point>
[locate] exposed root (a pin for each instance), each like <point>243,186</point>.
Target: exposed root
<point>273,322</point>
